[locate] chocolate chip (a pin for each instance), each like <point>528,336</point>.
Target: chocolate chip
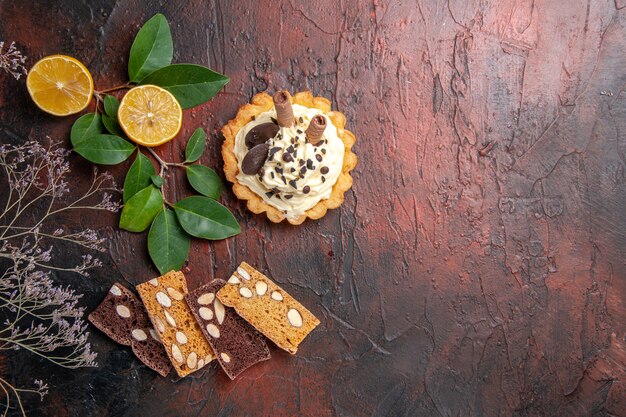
<point>254,159</point>
<point>287,157</point>
<point>289,149</point>
<point>302,170</point>
<point>261,134</point>
<point>299,131</point>
<point>324,151</point>
<point>309,164</point>
<point>269,194</point>
<point>293,141</point>
<point>293,170</point>
<point>261,172</point>
<point>323,179</point>
<point>293,184</point>
<point>318,157</point>
<point>301,162</point>
<point>274,120</point>
<point>253,117</point>
<point>274,150</point>
<point>282,177</point>
<point>324,170</point>
<point>278,170</point>
<point>306,189</point>
<point>272,174</point>
<point>288,196</point>
<point>300,119</point>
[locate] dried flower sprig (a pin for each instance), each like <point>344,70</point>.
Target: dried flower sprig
<point>12,61</point>
<point>35,314</point>
<point>40,388</point>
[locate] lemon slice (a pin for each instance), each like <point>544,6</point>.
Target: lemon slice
<point>150,115</point>
<point>60,85</point>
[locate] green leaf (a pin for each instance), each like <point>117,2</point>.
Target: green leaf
<point>111,104</point>
<point>140,209</point>
<point>112,126</point>
<point>195,146</point>
<point>138,176</point>
<point>85,126</point>
<point>191,84</point>
<point>104,149</point>
<point>204,180</point>
<point>152,48</point>
<point>206,218</point>
<point>168,243</point>
<point>157,181</point>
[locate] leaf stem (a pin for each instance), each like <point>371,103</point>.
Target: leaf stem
<point>164,165</point>
<point>116,88</point>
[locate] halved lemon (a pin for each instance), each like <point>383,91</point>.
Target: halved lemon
<point>150,115</point>
<point>60,85</point>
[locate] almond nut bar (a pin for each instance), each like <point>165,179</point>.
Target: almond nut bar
<point>267,307</point>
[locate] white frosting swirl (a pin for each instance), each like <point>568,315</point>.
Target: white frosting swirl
<point>276,186</point>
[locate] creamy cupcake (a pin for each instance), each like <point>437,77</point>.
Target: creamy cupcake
<point>289,157</point>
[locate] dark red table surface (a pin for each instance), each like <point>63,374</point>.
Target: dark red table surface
<point>477,266</point>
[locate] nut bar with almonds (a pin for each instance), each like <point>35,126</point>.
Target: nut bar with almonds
<point>183,340</point>
<point>122,317</point>
<point>236,344</point>
<point>268,308</point>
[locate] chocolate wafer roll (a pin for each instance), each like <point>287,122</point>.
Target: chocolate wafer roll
<point>284,111</point>
<point>316,128</point>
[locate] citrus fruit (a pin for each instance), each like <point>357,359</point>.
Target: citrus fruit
<point>60,85</point>
<point>150,115</point>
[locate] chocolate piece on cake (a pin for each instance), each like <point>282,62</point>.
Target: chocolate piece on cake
<point>267,307</point>
<point>122,317</point>
<point>181,335</point>
<point>316,128</point>
<point>284,110</point>
<point>236,344</point>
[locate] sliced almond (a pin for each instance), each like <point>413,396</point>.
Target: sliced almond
<point>245,292</point>
<point>159,324</point>
<point>206,299</point>
<point>205,313</point>
<point>155,335</point>
<point>139,334</point>
<point>181,338</point>
<point>154,282</point>
<point>192,360</point>
<point>200,363</point>
<point>163,299</point>
<point>277,296</point>
<point>169,318</point>
<point>294,317</point>
<point>175,294</point>
<point>244,274</point>
<point>177,354</point>
<point>220,312</point>
<point>225,357</point>
<point>233,280</point>
<point>122,311</point>
<point>115,290</point>
<point>261,287</point>
<point>213,330</point>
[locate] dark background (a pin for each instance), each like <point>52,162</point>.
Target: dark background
<point>456,279</point>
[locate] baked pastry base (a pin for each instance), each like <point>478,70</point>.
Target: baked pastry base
<point>263,102</point>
